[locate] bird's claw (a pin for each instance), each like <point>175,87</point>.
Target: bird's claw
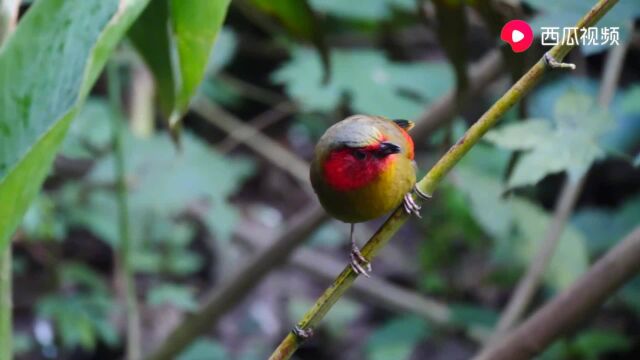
<point>359,263</point>
<point>301,333</point>
<point>410,205</point>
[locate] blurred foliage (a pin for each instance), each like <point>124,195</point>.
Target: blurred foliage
<point>568,143</point>
<point>372,83</point>
<point>478,234</point>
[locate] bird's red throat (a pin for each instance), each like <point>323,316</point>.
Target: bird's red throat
<point>344,172</point>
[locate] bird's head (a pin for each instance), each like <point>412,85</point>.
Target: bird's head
<point>356,154</point>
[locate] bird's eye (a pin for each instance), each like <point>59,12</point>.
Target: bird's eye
<point>359,154</point>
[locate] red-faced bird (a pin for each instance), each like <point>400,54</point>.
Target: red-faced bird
<point>363,168</point>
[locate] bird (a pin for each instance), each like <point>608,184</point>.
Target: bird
<point>363,167</point>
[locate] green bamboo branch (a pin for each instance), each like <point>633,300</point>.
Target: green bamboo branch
<point>433,178</point>
<point>125,268</point>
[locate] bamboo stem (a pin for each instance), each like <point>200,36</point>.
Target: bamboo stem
<point>429,183</point>
<point>125,268</point>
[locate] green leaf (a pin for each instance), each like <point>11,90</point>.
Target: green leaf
<point>603,227</point>
<point>375,10</point>
<point>90,131</point>
<point>299,19</point>
<point>195,179</point>
<point>571,146</point>
<point>593,344</point>
<point>36,111</point>
<point>374,84</point>
<point>181,297</point>
<point>175,38</point>
<point>570,259</point>
<point>396,339</point>
<point>473,316</point>
<point>204,350</point>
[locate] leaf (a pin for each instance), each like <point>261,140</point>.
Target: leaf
<point>570,258</point>
<point>373,83</point>
<point>566,13</point>
<point>602,228</point>
<point>36,111</point>
<point>571,146</point>
<point>473,316</point>
<point>205,349</point>
<point>593,344</point>
<point>175,38</point>
<point>397,338</point>
<point>181,297</point>
<point>299,19</point>
<point>90,131</point>
<point>374,11</point>
<point>195,179</point>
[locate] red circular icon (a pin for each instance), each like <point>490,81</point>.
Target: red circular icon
<point>518,34</point>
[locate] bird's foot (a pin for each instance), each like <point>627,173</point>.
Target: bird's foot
<point>410,205</point>
<point>359,263</point>
<point>301,333</point>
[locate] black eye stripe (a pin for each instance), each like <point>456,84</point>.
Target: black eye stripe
<point>359,154</point>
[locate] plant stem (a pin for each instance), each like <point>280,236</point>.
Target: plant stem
<point>429,183</point>
<point>568,197</point>
<point>5,304</point>
<point>560,314</point>
<point>8,19</point>
<point>125,268</point>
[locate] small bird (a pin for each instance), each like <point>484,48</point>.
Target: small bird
<point>363,168</point>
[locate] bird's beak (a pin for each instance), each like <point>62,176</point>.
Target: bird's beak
<point>388,148</point>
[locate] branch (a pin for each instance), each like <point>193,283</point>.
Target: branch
<point>568,197</point>
<point>564,311</point>
<point>381,292</point>
<point>429,183</point>
<point>124,265</point>
<point>233,290</point>
<point>260,143</point>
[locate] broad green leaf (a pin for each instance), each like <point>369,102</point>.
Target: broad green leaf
<point>65,42</point>
<point>473,316</point>
<point>374,84</point>
<point>397,338</point>
<point>373,11</point>
<point>566,13</point>
<point>175,37</point>
<point>572,145</point>
<point>570,258</point>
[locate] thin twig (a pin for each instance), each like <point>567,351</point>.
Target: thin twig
<point>233,289</point>
<point>259,123</point>
<point>428,184</point>
<point>571,306</point>
<point>383,293</point>
<point>260,143</point>
<point>252,91</point>
<point>8,19</point>
<point>125,268</point>
<point>569,195</point>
